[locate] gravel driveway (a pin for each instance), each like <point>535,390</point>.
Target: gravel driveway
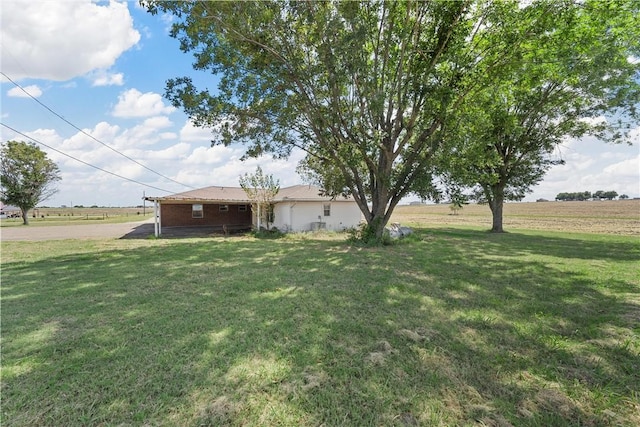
<point>140,229</point>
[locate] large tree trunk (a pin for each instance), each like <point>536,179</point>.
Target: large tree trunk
<point>376,214</point>
<point>380,198</point>
<point>377,225</point>
<point>25,216</point>
<point>496,203</point>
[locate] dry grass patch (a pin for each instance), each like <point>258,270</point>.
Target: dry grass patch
<point>605,217</point>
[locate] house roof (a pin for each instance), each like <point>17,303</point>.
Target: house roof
<point>214,193</point>
<point>237,195</point>
<point>304,193</point>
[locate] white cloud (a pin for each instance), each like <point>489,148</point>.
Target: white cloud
<point>191,133</point>
<point>594,120</point>
<point>104,78</point>
<point>147,32</point>
<point>592,166</point>
<point>32,90</point>
<point>137,5</point>
<point>144,134</point>
<point>625,168</point>
<point>133,103</point>
<point>158,122</point>
<point>47,136</point>
<point>60,40</point>
<point>168,135</point>
<point>127,169</point>
<point>172,153</point>
<point>221,165</point>
<point>212,155</point>
<point>168,20</point>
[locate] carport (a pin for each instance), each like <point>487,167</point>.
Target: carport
<point>220,209</point>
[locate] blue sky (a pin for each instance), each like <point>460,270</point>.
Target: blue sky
<point>103,68</point>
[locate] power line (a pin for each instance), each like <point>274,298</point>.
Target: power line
<point>89,135</point>
<point>83,162</point>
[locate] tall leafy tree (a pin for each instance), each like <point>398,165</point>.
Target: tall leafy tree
<point>364,88</point>
<point>580,62</point>
<point>261,189</point>
<point>26,176</point>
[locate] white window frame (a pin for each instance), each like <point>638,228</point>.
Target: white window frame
<point>224,208</point>
<point>197,210</point>
<point>326,209</point>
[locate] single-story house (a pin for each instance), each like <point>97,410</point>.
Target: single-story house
<point>296,208</point>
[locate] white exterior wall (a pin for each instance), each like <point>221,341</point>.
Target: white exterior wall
<point>300,216</point>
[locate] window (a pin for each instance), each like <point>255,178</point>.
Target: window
<point>271,216</point>
<point>242,208</point>
<point>224,208</point>
<point>327,209</point>
<point>197,211</point>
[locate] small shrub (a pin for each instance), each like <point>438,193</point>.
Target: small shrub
<point>365,235</point>
<point>272,233</point>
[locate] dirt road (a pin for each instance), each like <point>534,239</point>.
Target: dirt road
<point>94,231</point>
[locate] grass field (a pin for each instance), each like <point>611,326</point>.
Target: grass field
<point>605,217</point>
<point>452,326</point>
<point>67,216</point>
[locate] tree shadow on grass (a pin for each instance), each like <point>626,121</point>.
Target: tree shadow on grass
<point>598,247</point>
<point>539,329</point>
<point>448,330</point>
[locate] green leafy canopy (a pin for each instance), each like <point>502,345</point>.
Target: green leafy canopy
<point>579,63</point>
<point>26,175</point>
<point>374,91</point>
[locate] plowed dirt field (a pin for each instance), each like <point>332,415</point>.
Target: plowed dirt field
<point>607,217</point>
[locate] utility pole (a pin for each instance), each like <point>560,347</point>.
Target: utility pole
<point>144,212</point>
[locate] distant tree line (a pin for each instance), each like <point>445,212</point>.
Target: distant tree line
<point>587,195</point>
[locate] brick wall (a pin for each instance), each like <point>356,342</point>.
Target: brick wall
<point>180,215</point>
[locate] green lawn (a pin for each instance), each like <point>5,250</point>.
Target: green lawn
<point>450,327</point>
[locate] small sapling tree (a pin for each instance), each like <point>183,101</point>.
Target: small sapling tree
<point>261,189</point>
